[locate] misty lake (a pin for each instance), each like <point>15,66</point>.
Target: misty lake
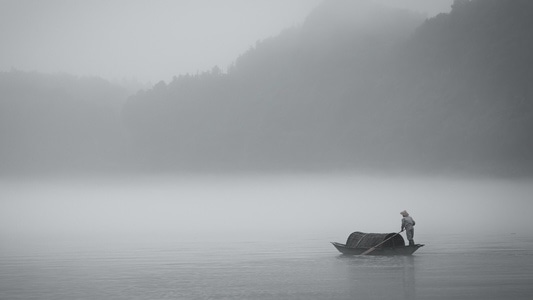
<point>262,237</point>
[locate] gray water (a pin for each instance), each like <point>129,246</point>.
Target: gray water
<point>448,267</point>
<point>50,249</point>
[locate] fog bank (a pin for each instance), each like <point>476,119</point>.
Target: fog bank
<point>227,207</point>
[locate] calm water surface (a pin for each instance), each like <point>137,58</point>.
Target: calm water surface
<point>297,267</point>
<point>263,237</point>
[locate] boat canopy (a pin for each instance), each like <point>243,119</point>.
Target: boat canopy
<point>368,240</point>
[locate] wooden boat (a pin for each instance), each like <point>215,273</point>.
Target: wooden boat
<point>384,244</point>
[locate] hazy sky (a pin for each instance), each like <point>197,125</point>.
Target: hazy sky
<point>149,40</point>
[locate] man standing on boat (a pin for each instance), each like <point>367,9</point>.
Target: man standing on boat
<point>408,225</point>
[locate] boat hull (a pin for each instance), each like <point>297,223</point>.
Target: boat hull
<point>387,251</point>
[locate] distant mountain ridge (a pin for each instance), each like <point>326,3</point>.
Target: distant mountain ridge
<point>356,87</point>
<point>452,92</point>
<point>58,122</point>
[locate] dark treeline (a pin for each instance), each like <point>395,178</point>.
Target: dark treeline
<point>356,86</point>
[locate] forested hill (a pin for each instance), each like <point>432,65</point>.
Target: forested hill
<point>289,101</point>
<point>358,86</point>
<point>52,122</point>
